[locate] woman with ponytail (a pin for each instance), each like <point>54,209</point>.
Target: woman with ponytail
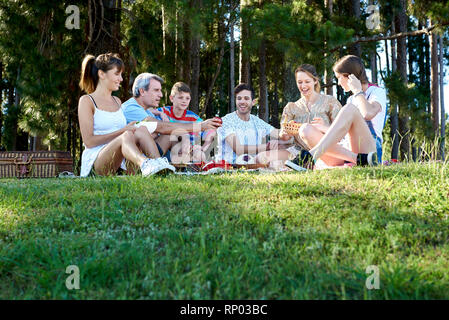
<point>108,140</point>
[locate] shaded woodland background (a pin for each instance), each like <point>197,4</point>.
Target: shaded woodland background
<point>214,45</point>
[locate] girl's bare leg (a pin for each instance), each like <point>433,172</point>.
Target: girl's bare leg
<point>349,121</point>
<point>146,143</point>
<point>111,156</point>
<point>335,155</point>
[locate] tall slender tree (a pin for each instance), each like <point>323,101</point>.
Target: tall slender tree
<point>394,131</point>
<point>402,68</point>
<point>263,88</point>
<point>244,63</point>
<point>328,74</point>
<point>1,101</point>
<point>434,96</point>
<point>195,78</point>
<point>442,109</point>
<point>356,49</point>
<point>231,66</point>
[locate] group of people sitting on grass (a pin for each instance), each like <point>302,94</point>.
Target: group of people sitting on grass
<point>139,134</point>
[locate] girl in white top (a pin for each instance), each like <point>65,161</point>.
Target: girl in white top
<point>108,140</point>
<point>361,119</point>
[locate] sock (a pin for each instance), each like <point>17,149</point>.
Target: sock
<point>305,156</point>
<point>312,156</point>
<point>362,159</point>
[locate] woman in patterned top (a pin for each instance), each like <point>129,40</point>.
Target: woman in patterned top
<point>317,109</point>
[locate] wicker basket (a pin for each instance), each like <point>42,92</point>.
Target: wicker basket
<point>34,164</point>
<point>291,127</point>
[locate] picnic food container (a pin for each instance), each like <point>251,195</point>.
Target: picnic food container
<point>34,164</point>
<point>291,127</point>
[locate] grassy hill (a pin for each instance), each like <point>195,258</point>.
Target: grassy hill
<point>233,236</point>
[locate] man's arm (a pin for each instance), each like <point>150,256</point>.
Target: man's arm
<point>184,128</point>
<point>160,114</point>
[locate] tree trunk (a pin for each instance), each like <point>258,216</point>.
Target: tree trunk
<point>164,30</point>
<point>195,77</point>
<point>231,67</point>
<point>434,94</point>
<point>10,102</point>
<point>373,60</point>
<point>373,67</point>
<point>402,68</point>
<point>411,79</point>
<point>421,57</point>
<point>427,72</point>
<point>394,109</point>
<point>16,100</point>
<point>104,35</point>
<point>411,58</point>
<point>275,105</point>
<point>195,82</point>
<point>328,74</point>
<point>1,101</point>
<point>178,46</point>
<point>187,69</point>
<point>10,95</point>
<point>244,65</point>
<point>387,58</point>
<point>222,37</point>
<point>71,116</point>
<point>442,109</point>
<point>104,21</point>
<point>356,48</point>
<point>263,91</point>
<point>422,66</point>
<point>290,90</point>
<point>69,125</point>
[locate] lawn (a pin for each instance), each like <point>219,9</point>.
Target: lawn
<point>232,236</point>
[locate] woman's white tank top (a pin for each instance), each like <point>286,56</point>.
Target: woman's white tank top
<point>104,122</point>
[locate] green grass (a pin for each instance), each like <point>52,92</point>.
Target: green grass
<point>234,236</point>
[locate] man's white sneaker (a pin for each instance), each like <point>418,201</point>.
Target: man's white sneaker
<point>164,162</point>
<point>153,166</point>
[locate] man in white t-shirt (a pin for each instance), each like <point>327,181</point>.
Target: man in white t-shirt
<point>244,134</point>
